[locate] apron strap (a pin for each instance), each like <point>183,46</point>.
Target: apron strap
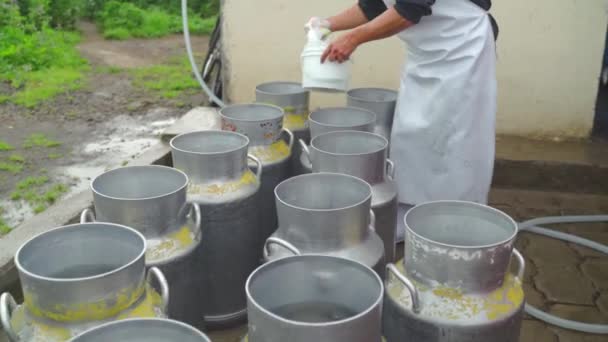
<point>494,26</point>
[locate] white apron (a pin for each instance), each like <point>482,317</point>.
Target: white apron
<point>443,136</point>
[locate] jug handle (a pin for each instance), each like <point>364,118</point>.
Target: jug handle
<point>521,264</point>
<point>372,219</point>
<point>305,149</point>
<point>258,164</point>
<point>390,169</point>
<point>87,216</point>
<point>7,306</point>
<point>293,249</point>
<point>162,283</point>
<point>391,268</point>
<point>291,137</point>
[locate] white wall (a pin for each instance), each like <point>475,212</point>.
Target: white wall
<point>549,58</point>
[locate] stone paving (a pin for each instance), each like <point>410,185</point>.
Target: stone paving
<point>564,279</point>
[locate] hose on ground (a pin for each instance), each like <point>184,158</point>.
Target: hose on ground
<point>531,226</point>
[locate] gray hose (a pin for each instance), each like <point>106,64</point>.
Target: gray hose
<point>531,227</point>
<point>197,74</point>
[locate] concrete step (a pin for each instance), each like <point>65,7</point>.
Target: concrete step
<point>569,166</point>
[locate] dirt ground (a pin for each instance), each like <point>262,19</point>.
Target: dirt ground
<point>103,125</point>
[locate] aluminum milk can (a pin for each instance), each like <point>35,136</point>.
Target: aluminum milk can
<point>378,100</point>
<point>270,142</point>
<point>363,155</point>
<point>454,283</point>
<point>334,119</point>
<point>326,213</point>
<point>152,200</point>
<point>142,329</point>
<point>80,276</point>
<point>224,187</point>
<point>314,298</point>
<point>295,102</point>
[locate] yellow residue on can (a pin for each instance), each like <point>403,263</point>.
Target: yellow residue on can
<point>248,178</point>
<point>33,329</point>
<point>295,121</point>
<point>274,152</point>
<point>170,244</point>
<point>95,311</point>
<point>452,304</point>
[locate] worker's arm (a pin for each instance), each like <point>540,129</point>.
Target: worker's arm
<point>349,19</point>
<point>383,23</point>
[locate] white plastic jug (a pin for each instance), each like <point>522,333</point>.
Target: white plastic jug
<point>324,77</point>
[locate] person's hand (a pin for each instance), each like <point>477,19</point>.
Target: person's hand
<point>317,23</point>
<point>340,49</point>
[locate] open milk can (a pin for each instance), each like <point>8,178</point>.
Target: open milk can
<point>334,119</point>
<point>380,101</point>
<point>80,276</point>
<point>295,102</point>
<point>143,330</point>
<point>263,125</point>
<point>152,200</point>
<point>329,214</point>
<point>314,298</point>
<point>454,283</point>
<point>224,187</point>
<point>363,155</point>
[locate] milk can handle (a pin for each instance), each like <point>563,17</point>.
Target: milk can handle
<point>198,218</point>
<point>162,283</point>
<point>258,163</point>
<point>391,268</point>
<point>293,249</point>
<point>305,149</point>
<point>87,216</point>
<point>7,306</point>
<point>291,137</point>
<point>372,219</point>
<point>390,169</point>
<point>521,264</point>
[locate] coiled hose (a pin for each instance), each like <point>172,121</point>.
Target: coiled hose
<point>528,226</point>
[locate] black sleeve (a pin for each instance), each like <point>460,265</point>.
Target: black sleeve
<point>414,10</point>
<point>372,8</point>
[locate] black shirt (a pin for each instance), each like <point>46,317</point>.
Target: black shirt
<point>414,10</point>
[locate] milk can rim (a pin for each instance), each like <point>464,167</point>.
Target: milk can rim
<point>243,105</point>
<point>373,120</point>
<point>292,83</point>
<point>316,174</point>
<point>136,259</point>
<point>349,132</point>
<point>215,131</point>
<point>350,92</point>
<point>130,320</point>
<point>172,169</point>
<point>374,305</point>
<point>473,204</point>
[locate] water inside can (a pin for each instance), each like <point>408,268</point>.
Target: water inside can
<point>314,312</point>
<point>82,271</point>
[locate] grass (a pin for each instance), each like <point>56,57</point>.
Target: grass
<point>168,80</point>
<point>36,194</point>
<point>40,140</point>
<point>53,156</point>
<point>4,146</point>
<point>11,167</point>
<point>46,84</point>
<point>17,158</point>
<point>4,228</point>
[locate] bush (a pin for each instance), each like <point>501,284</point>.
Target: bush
<point>120,20</point>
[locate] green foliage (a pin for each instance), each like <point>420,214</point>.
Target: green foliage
<point>123,20</point>
<point>11,167</point>
<point>34,191</point>
<point>40,140</point>
<point>168,80</point>
<point>4,228</point>
<point>4,146</point>
<point>17,158</point>
<point>54,155</point>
